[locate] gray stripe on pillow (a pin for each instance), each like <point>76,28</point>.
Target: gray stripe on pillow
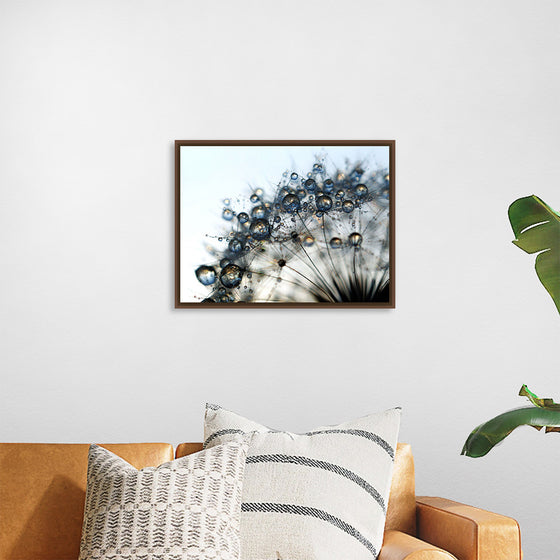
<point>312,512</point>
<point>315,463</point>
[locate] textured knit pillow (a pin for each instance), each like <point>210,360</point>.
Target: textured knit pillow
<point>187,509</point>
<point>321,495</point>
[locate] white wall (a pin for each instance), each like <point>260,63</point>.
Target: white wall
<point>93,95</point>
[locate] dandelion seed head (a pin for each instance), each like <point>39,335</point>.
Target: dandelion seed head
<point>317,236</point>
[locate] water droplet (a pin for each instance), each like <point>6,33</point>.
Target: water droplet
<point>355,239</point>
<point>231,276</point>
<point>259,192</point>
<point>260,229</point>
<point>348,206</point>
<point>317,168</point>
<point>340,194</point>
<point>361,190</point>
<point>310,185</point>
<point>227,214</point>
<point>335,243</point>
<point>254,198</point>
<point>277,219</point>
<point>301,194</point>
<point>235,246</point>
<point>308,241</point>
<point>294,176</point>
<point>328,186</point>
<point>324,203</point>
<point>290,203</point>
<point>206,275</point>
<point>258,212</point>
<point>227,201</point>
<point>243,217</point>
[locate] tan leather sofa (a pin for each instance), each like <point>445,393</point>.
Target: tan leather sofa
<point>42,491</point>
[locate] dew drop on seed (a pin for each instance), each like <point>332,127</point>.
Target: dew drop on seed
<point>227,201</point>
<point>335,243</point>
<point>361,190</point>
<point>254,198</point>
<point>258,212</point>
<point>328,186</point>
<point>290,203</point>
<point>260,229</point>
<point>231,276</point>
<point>355,239</point>
<point>235,246</point>
<point>308,241</point>
<point>243,217</point>
<point>310,185</point>
<point>206,275</point>
<point>227,214</point>
<point>324,203</point>
<point>348,206</point>
<point>294,176</point>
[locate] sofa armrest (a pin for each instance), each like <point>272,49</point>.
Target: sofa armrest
<point>401,546</point>
<point>467,532</point>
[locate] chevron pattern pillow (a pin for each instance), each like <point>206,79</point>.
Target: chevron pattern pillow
<point>313,496</point>
<point>187,509</point>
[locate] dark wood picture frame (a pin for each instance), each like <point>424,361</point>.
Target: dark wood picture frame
<point>389,291</point>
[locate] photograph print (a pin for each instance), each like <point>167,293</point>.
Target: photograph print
<point>284,223</point>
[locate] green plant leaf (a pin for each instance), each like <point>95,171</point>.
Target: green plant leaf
<point>483,438</point>
<point>536,227</point>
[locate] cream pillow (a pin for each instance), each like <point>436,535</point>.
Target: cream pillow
<point>321,495</point>
<point>187,509</point>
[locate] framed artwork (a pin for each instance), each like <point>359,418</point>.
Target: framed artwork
<point>285,223</point>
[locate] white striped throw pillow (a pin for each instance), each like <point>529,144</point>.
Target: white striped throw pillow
<point>321,495</point>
